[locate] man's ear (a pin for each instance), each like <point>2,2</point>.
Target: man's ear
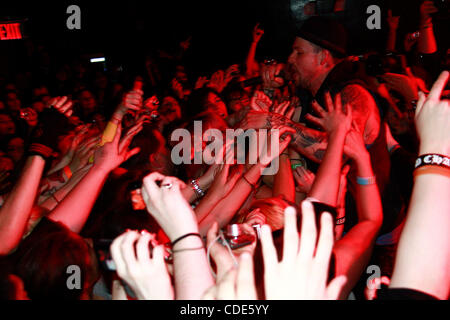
<point>325,58</point>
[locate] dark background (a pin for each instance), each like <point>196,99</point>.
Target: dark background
<point>221,29</point>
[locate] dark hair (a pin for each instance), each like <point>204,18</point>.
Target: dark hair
<point>44,260</point>
<point>197,101</point>
<point>112,215</point>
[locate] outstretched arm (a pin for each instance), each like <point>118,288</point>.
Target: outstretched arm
<point>392,32</point>
<point>326,184</point>
<point>177,219</point>
<point>427,42</point>
<point>354,249</point>
<point>15,212</point>
<point>423,258</point>
<point>74,210</point>
<point>252,66</point>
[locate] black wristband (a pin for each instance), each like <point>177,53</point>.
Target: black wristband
<point>432,160</point>
<point>185,236</point>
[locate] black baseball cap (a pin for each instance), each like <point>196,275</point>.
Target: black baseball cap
<point>327,33</point>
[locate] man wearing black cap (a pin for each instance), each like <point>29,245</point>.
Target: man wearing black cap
<point>318,64</point>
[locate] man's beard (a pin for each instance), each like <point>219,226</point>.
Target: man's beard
<point>292,74</point>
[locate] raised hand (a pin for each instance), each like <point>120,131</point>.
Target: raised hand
<point>332,119</point>
<point>83,153</point>
<point>392,20</point>
<point>201,82</point>
<point>257,33</point>
<point>277,132</point>
<point>167,205</point>
<point>256,120</point>
<point>217,81</point>
<point>112,154</point>
<point>270,75</point>
<point>144,271</point>
<point>237,284</point>
<point>231,72</point>
<point>284,109</point>
<point>177,87</point>
<point>304,179</point>
<point>131,101</point>
<point>427,8</point>
<point>260,102</point>
<point>354,146</point>
<point>62,104</point>
<point>303,271</point>
<point>433,119</point>
<point>152,103</point>
<point>30,116</point>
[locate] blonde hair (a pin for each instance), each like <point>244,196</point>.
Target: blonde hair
<point>272,209</point>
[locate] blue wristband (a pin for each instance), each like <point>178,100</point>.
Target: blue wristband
<point>366,181</point>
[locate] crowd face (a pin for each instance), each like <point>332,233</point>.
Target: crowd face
<point>6,164</point>
<point>13,102</point>
<point>87,102</point>
<point>170,109</point>
<point>16,148</point>
<point>7,126</point>
<point>238,101</point>
<point>303,63</point>
<point>216,105</point>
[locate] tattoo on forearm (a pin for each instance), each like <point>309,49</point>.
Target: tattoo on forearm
<point>304,140</point>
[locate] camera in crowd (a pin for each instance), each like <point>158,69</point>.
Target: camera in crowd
<point>237,237</point>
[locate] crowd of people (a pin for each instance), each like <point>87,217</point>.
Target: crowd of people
<point>93,204</point>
